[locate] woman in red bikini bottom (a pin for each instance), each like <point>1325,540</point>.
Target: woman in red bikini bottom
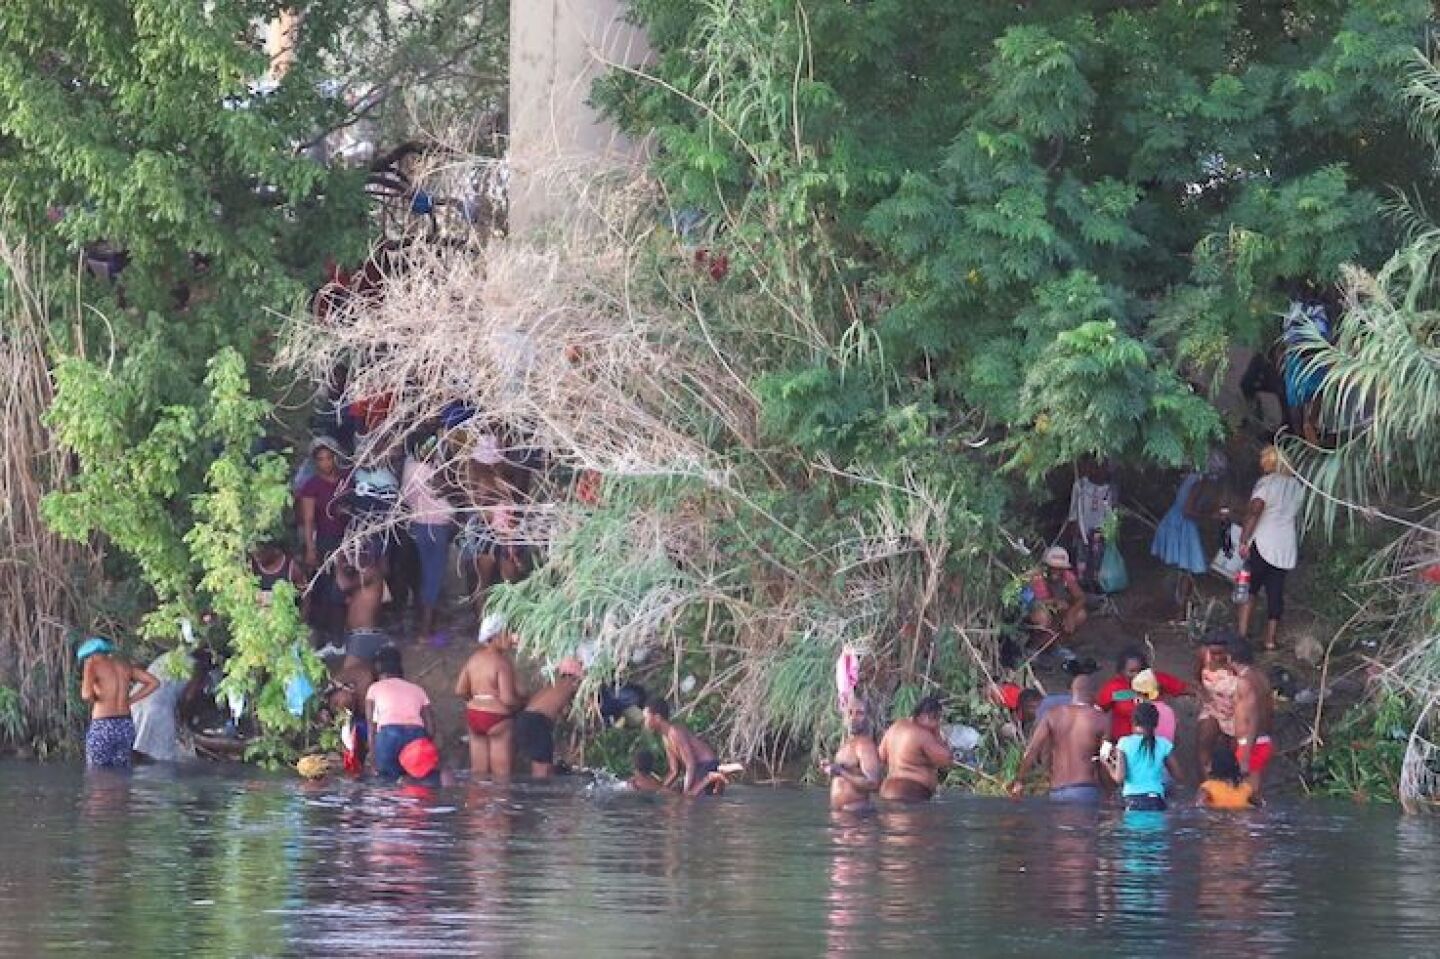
<point>487,684</point>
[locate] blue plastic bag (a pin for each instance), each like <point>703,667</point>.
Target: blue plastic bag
<point>1113,576</point>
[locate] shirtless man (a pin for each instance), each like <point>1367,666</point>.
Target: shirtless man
<point>487,685</point>
<point>535,724</point>
<point>685,752</point>
<point>1254,716</point>
<point>855,772</point>
<point>105,683</point>
<point>1071,735</point>
<point>914,754</point>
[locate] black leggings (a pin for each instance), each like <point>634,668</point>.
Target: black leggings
<point>1272,580</point>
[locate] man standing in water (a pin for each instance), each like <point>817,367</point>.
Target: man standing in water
<point>487,684</point>
<point>1072,736</point>
<point>914,754</point>
<point>535,724</point>
<point>685,752</point>
<point>105,683</point>
<point>1254,716</point>
<point>855,772</point>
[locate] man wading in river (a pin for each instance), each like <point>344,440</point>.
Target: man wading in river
<point>1071,735</point>
<point>855,773</point>
<point>105,684</point>
<point>535,724</point>
<point>1254,716</point>
<point>914,754</point>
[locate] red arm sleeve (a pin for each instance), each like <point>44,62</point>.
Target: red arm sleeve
<point>1171,685</point>
<point>1106,699</point>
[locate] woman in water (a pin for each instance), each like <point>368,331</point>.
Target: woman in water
<point>1141,761</point>
<point>1218,685</point>
<point>398,713</point>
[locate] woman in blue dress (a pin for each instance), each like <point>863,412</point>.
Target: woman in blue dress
<point>1177,541</point>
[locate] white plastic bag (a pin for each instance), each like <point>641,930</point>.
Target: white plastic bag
<point>1229,564</point>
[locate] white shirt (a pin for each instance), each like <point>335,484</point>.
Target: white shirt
<point>1091,505</point>
<point>1277,535</point>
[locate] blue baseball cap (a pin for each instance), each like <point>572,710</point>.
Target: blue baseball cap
<point>91,646</point>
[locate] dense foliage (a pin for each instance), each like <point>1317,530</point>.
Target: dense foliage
<point>981,237</point>
<point>1053,214</point>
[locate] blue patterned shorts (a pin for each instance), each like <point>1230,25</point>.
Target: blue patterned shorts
<point>108,742</point>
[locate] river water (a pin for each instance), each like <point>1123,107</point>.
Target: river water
<point>202,863</point>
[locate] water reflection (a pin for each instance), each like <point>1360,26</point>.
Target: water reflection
<point>157,863</point>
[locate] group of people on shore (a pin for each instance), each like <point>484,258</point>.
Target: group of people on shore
<point>378,535</point>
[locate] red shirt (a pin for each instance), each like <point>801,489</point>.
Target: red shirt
<point>1119,700</point>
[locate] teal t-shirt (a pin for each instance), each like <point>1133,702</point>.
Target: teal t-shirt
<point>1144,772</point>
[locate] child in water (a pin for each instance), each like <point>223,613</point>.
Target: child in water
<point>1141,761</point>
<point>1226,788</point>
<point>644,780</point>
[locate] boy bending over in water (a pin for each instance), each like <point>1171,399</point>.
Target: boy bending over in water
<point>644,780</point>
<point>685,752</point>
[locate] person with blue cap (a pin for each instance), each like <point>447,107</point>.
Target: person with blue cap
<point>105,683</point>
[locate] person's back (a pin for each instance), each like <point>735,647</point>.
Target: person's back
<point>1144,768</point>
<point>105,683</point>
<point>398,711</point>
<point>535,724</point>
<point>699,748</point>
<point>1226,787</point>
<point>1225,794</point>
<point>1078,730</point>
<point>1071,735</point>
<point>397,702</point>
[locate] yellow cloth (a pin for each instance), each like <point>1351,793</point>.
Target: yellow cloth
<point>1220,794</point>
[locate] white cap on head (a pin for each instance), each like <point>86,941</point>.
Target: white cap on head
<point>492,626</point>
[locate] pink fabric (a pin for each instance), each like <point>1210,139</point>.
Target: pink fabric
<point>397,702</point>
<point>418,490</point>
<point>847,674</point>
<point>1165,728</point>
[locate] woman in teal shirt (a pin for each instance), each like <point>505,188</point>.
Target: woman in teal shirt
<point>1141,760</point>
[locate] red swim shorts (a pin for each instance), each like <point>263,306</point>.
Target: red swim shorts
<point>482,721</point>
<point>1260,755</point>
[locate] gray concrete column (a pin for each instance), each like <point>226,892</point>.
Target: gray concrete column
<point>557,49</point>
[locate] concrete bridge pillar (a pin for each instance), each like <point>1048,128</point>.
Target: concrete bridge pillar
<point>557,49</point>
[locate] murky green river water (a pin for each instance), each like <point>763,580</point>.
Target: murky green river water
<point>204,864</point>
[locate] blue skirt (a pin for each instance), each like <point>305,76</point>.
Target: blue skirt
<point>1177,538</point>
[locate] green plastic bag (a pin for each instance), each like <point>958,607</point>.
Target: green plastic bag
<point>1113,577</point>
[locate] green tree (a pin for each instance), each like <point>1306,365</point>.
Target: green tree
<point>995,179</point>
<point>153,134</point>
